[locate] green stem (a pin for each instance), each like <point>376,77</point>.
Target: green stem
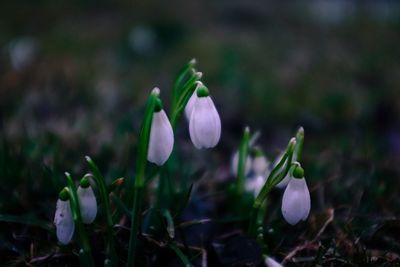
<point>111,255</point>
<point>276,176</point>
<point>243,154</point>
<point>186,92</point>
<point>299,144</point>
<point>85,254</point>
<point>180,78</point>
<point>141,163</point>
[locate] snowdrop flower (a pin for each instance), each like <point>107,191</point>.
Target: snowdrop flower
<point>87,201</point>
<point>255,185</point>
<point>63,220</point>
<point>235,163</point>
<point>204,124</point>
<point>161,140</point>
<point>296,201</point>
<point>270,262</point>
<point>260,163</point>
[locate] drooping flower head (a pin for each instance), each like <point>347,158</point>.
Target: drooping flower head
<point>260,162</point>
<point>87,201</point>
<point>161,140</point>
<point>255,184</point>
<point>205,123</point>
<point>63,219</point>
<point>296,202</point>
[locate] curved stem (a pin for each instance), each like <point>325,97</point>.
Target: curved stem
<point>144,137</point>
<point>85,254</point>
<point>111,255</point>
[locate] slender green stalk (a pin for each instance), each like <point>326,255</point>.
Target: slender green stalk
<point>185,94</point>
<point>276,175</point>
<point>180,79</point>
<point>186,262</point>
<point>241,169</point>
<point>85,253</point>
<point>144,137</point>
<point>111,255</point>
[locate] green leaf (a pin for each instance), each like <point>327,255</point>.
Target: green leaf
<point>180,254</point>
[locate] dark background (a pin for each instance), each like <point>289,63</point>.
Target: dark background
<point>74,77</point>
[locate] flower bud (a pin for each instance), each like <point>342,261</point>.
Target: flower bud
<point>87,201</point>
<point>296,202</point>
<point>260,163</point>
<point>63,219</point>
<point>161,140</point>
<point>205,123</point>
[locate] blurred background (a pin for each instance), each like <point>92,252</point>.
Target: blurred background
<point>75,75</point>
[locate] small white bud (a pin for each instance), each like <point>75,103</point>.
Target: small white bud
<point>87,204</point>
<point>260,165</point>
<point>296,202</point>
<point>255,185</point>
<point>64,222</point>
<point>235,163</point>
<point>161,140</point>
<point>155,91</point>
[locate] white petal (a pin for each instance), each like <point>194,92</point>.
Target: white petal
<point>64,222</point>
<point>87,203</point>
<point>161,140</point>
<point>205,124</point>
<point>255,185</point>
<point>189,105</point>
<point>235,162</point>
<point>284,182</point>
<point>295,201</point>
<point>270,262</point>
<point>306,200</point>
<point>260,165</point>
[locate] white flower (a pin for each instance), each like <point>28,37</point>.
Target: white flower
<point>255,185</point>
<point>260,165</point>
<point>235,162</point>
<point>296,201</point>
<point>87,204</point>
<point>64,221</point>
<point>270,262</point>
<point>161,140</point>
<point>204,124</point>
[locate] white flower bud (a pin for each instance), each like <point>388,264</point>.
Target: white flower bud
<point>296,202</point>
<point>87,204</point>
<point>235,163</point>
<point>161,140</point>
<point>205,123</point>
<point>64,221</point>
<point>260,165</point>
<point>270,262</point>
<point>255,185</point>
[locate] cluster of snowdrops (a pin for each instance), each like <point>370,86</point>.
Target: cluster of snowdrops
<point>255,174</point>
